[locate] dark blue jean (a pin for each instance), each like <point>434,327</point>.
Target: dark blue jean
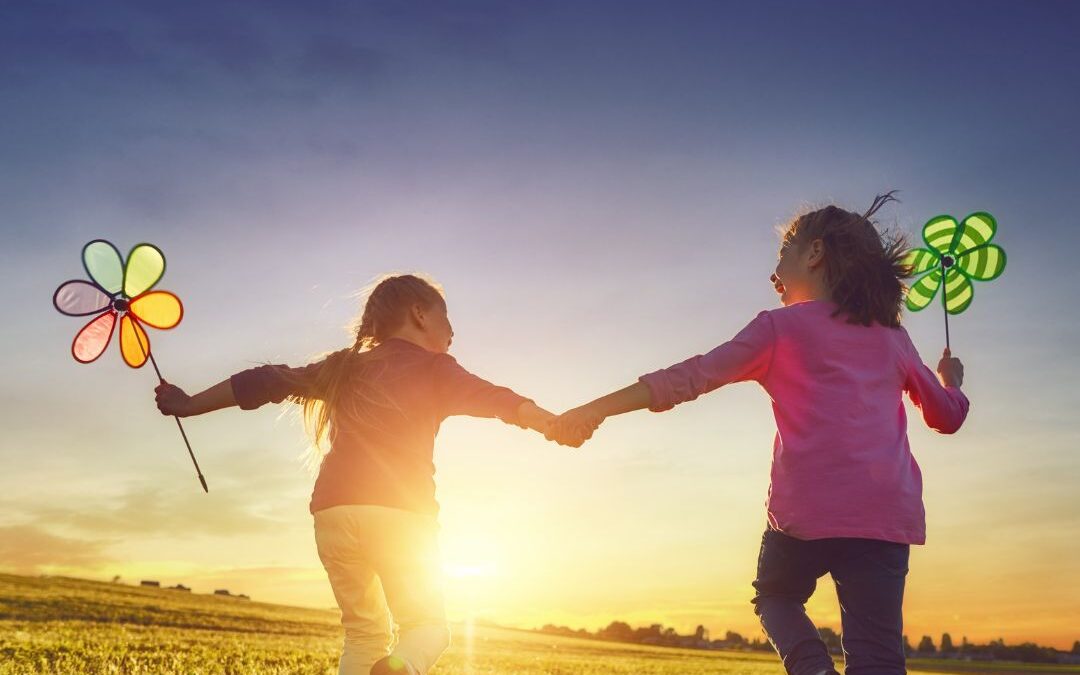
<point>869,578</point>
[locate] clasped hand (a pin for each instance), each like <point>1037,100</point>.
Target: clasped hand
<point>573,427</point>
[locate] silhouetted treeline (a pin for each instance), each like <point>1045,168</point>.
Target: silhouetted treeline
<point>995,650</point>
<point>657,634</point>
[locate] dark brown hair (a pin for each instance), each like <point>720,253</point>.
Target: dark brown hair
<point>864,266</point>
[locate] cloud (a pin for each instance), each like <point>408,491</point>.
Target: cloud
<point>27,549</point>
<point>174,513</point>
<point>249,495</point>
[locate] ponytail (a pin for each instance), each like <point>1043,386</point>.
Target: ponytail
<point>386,309</point>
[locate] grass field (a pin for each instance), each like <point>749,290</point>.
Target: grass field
<point>60,625</point>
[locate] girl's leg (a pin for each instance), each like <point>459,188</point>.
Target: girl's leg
<point>869,578</point>
<point>787,574</point>
<point>409,566</point>
<point>342,544</point>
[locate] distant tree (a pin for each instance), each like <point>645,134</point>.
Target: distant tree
<point>731,637</point>
<point>700,633</point>
<point>907,646</point>
<point>926,645</point>
<point>617,630</point>
<point>757,644</point>
<point>650,634</point>
<point>1076,647</point>
<point>831,639</point>
<point>116,579</point>
<point>946,644</point>
<point>964,644</point>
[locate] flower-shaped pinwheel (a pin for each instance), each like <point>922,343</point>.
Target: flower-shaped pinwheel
<point>118,290</point>
<point>959,253</point>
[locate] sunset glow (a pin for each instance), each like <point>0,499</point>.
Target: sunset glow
<point>597,187</point>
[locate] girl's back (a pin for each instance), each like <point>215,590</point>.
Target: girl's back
<point>389,406</point>
<point>842,464</point>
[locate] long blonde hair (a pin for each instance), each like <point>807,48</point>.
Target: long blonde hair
<point>386,308</point>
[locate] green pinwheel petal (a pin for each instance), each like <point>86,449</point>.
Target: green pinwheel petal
<point>983,263</point>
<point>922,292</point>
<point>920,260</point>
<point>104,265</point>
<point>939,233</point>
<point>145,265</point>
<point>976,230</point>
<point>958,291</point>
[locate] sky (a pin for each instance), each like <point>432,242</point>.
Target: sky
<point>598,187</point>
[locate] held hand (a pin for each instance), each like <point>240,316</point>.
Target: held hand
<point>171,400</point>
<point>950,370</point>
<point>573,427</point>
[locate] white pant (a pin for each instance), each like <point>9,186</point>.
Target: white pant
<point>384,562</point>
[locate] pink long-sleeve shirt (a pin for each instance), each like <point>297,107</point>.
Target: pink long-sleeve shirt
<point>842,465</point>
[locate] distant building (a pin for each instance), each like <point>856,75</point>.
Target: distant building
<point>152,584</point>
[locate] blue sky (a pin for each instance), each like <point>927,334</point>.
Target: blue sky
<point>597,185</point>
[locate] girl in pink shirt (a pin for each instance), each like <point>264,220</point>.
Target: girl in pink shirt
<point>845,496</point>
<point>379,404</point>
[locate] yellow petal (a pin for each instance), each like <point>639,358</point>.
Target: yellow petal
<point>145,265</point>
<point>160,309</point>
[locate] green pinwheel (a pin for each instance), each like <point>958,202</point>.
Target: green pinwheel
<point>955,255</point>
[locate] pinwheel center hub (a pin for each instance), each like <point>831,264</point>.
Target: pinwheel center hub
<point>947,261</point>
<point>121,304</point>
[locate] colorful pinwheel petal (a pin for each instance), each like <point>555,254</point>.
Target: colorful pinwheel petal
<point>80,298</point>
<point>957,254</point>
<point>134,345</point>
<point>145,267</point>
<point>118,290</point>
<point>104,265</point>
<point>160,309</point>
<point>90,342</point>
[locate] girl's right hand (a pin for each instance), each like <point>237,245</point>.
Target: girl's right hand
<point>171,400</point>
<point>950,370</point>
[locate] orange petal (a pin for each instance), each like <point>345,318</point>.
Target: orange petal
<point>134,345</point>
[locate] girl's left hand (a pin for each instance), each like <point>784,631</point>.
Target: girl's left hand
<point>171,400</point>
<point>950,369</point>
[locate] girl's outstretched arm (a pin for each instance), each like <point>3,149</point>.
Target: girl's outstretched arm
<point>534,417</point>
<point>576,426</point>
<point>627,399</point>
<point>746,356</point>
<point>459,392</point>
<point>171,400</point>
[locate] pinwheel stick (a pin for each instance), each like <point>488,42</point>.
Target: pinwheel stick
<point>178,424</point>
<point>946,262</point>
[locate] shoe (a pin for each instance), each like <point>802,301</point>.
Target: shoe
<point>393,665</point>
